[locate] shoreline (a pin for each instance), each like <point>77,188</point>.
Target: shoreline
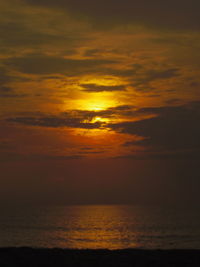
<point>26,256</point>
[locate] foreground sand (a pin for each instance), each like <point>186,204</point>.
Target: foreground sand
<point>93,258</point>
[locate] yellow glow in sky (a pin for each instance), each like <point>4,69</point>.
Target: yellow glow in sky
<point>96,105</point>
<point>100,119</point>
<point>94,102</point>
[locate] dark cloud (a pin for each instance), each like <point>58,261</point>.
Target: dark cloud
<point>169,131</point>
<point>74,118</point>
<point>18,31</point>
<point>5,90</point>
<point>124,73</point>
<point>194,84</point>
<point>102,88</point>
<point>55,157</point>
<point>161,74</point>
<point>173,101</point>
<point>163,155</point>
<point>93,52</point>
<point>173,128</point>
<point>16,34</point>
<point>122,110</point>
<point>9,156</point>
<point>169,14</point>
<point>4,144</point>
<point>55,122</point>
<point>41,64</point>
<point>141,77</point>
<point>5,95</point>
<point>4,78</point>
<point>147,76</point>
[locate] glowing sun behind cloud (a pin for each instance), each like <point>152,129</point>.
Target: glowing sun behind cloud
<point>95,105</point>
<point>95,94</point>
<point>94,102</point>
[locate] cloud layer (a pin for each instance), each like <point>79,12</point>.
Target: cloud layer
<point>174,129</point>
<point>41,64</point>
<point>171,14</point>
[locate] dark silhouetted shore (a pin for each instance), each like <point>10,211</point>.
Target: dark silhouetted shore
<point>93,258</point>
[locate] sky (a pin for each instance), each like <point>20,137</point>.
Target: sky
<point>99,101</point>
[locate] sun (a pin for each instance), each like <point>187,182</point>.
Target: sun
<point>100,119</point>
<point>96,106</point>
<point>95,103</point>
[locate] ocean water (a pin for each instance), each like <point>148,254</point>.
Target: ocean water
<point>112,227</point>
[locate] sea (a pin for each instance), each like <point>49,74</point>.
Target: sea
<point>101,227</point>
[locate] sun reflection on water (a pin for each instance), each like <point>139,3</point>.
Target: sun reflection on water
<point>97,227</point>
<point>93,227</point>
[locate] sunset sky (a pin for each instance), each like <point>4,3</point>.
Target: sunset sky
<point>99,100</point>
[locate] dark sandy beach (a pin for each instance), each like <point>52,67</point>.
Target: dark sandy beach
<point>90,258</point>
